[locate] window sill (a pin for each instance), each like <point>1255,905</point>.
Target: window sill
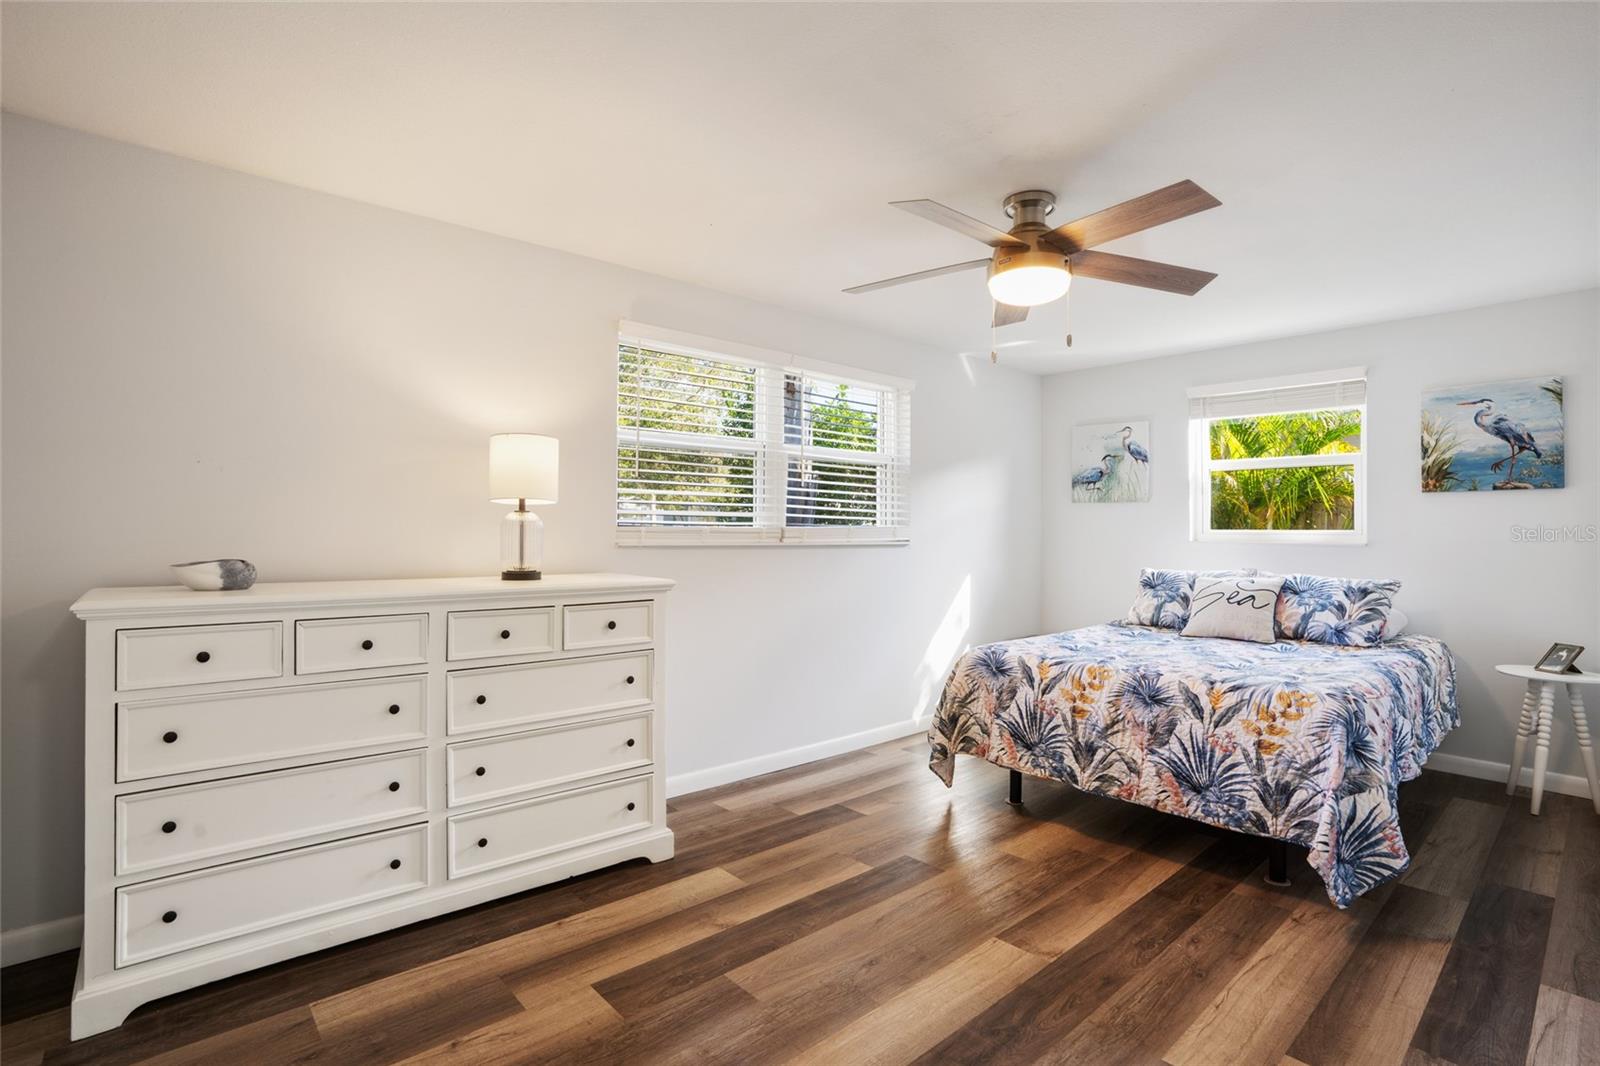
<point>1281,536</point>
<point>750,538</point>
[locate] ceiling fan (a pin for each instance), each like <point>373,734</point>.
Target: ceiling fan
<point>1032,264</point>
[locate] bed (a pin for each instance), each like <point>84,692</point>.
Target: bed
<point>1299,742</point>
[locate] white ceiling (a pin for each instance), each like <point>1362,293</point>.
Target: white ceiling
<point>1374,160</point>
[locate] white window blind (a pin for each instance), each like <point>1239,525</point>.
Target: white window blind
<point>1329,389</point>
<point>722,443</point>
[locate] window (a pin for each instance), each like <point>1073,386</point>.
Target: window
<point>1280,460</point>
<point>722,443</point>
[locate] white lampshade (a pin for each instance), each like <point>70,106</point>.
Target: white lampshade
<point>523,466</point>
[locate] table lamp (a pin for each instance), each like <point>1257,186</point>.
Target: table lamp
<point>523,470</point>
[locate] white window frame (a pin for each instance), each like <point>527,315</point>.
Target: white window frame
<point>1274,396</point>
<point>772,452</point>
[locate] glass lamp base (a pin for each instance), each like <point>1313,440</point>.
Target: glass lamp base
<point>521,546</point>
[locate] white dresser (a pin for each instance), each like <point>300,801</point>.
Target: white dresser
<point>272,771</point>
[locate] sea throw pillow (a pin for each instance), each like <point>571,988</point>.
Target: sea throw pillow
<point>1396,624</point>
<point>1335,610</point>
<point>1163,599</point>
<point>1234,605</point>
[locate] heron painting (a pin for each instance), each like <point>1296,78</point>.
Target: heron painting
<point>1494,436</point>
<point>1110,462</point>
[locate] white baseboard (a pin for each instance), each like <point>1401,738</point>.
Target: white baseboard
<point>37,941</point>
<point>1568,784</point>
<point>712,776</point>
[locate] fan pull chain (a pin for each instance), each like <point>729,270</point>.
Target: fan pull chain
<point>994,347</point>
<point>1069,318</point>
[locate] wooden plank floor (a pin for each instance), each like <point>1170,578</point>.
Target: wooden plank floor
<point>853,910</point>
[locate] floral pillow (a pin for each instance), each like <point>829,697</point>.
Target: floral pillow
<point>1334,610</point>
<point>1163,599</point>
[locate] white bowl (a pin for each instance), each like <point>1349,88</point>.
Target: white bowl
<point>215,575</point>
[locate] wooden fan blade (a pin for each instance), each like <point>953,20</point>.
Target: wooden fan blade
<point>1152,209</point>
<point>1107,266</point>
<point>919,275</point>
<point>1005,314</point>
<point>950,218</point>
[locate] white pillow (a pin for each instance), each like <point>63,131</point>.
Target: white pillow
<point>1234,605</point>
<point>1395,624</point>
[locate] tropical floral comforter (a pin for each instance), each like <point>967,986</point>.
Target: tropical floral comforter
<point>1297,741</point>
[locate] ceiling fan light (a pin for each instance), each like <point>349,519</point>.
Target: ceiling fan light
<point>1028,279</point>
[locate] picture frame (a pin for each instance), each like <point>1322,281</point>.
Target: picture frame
<point>1560,659</point>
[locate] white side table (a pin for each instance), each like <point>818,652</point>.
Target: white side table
<point>1538,705</point>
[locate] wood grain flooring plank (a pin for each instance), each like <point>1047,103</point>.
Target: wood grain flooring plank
<point>380,1038</point>
<point>1255,1016</point>
<point>1064,922</point>
<point>1527,852</point>
<point>912,1021</point>
<point>562,1015</point>
<point>668,975</point>
<point>1451,861</point>
<point>1372,1008</point>
<point>954,911</point>
<point>1026,1022</point>
<point>354,1007</point>
<point>1566,1030</point>
<point>283,1038</point>
<point>1144,1016</point>
<point>1482,1006</point>
<point>24,1041</point>
<point>636,946</point>
<point>672,1032</point>
<point>1572,962</point>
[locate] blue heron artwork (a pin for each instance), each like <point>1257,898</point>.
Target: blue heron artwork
<point>1110,462</point>
<point>1494,436</point>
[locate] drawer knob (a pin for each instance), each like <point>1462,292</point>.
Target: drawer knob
<point>483,699</point>
<point>170,917</point>
<point>480,771</point>
<point>366,645</point>
<point>169,737</point>
<point>630,679</point>
<point>394,708</point>
<point>611,624</point>
<point>169,827</point>
<point>630,806</point>
<point>202,657</point>
<point>630,742</point>
<point>483,842</point>
<point>394,786</point>
<point>394,864</point>
<point>505,634</point>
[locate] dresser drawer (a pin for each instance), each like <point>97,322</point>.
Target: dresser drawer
<point>162,917</point>
<point>605,625</point>
<point>328,645</point>
<point>487,769</point>
<point>223,817</point>
<point>500,696</point>
<point>198,655</point>
<point>173,736</point>
<point>486,634</point>
<point>521,831</point>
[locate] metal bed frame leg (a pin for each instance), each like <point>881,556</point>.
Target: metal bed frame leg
<point>1278,863</point>
<point>1016,788</point>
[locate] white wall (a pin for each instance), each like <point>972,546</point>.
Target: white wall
<point>1466,580</point>
<point>200,363</point>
